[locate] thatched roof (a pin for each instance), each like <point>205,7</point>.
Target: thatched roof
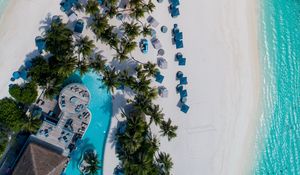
<point>38,160</point>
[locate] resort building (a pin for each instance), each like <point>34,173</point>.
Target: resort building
<point>65,120</point>
<point>40,158</point>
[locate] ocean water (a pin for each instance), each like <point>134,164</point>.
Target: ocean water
<point>278,136</point>
<point>96,135</point>
<point>3,4</point>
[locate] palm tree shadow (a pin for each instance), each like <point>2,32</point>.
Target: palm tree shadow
<point>128,65</point>
<point>112,137</point>
<point>46,22</point>
<point>119,101</point>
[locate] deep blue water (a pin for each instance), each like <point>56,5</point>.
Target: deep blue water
<point>278,137</point>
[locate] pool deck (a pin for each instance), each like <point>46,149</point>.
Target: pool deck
<point>73,119</point>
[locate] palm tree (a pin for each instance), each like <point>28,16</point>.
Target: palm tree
<point>63,67</point>
<point>141,103</point>
<point>150,69</point>
<point>83,67</point>
<point>91,159</point>
<point>84,46</point>
<point>146,31</point>
<point>150,6</point>
<point>79,7</point>
<point>31,124</point>
<point>167,129</point>
<point>99,25</point>
<point>138,12</point>
<point>156,115</point>
<point>110,79</point>
<point>132,30</point>
<point>98,64</point>
<point>59,40</point>
<point>164,161</point>
<point>92,7</point>
<point>112,11</point>
<point>151,93</point>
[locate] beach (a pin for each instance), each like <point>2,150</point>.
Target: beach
<point>217,135</point>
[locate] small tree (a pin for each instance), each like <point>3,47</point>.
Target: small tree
<point>25,94</point>
<point>11,116</point>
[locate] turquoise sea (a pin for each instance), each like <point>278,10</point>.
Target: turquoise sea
<point>278,136</point>
<point>3,4</point>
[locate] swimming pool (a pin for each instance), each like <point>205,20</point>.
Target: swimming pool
<point>96,134</point>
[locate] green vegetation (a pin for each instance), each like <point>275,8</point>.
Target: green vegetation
<point>138,147</point>
<point>92,162</point>
<point>27,93</point>
<point>11,115</point>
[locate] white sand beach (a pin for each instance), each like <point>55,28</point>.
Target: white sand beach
<point>216,137</point>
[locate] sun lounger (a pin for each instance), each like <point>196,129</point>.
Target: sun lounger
<point>79,26</point>
<point>121,87</point>
<point>159,78</point>
<point>40,43</point>
<point>179,44</point>
<point>183,80</point>
<point>152,21</point>
<point>178,36</point>
<point>174,11</point>
<point>182,61</point>
<point>184,108</point>
<point>183,93</point>
<point>175,2</point>
<point>156,43</point>
<point>72,16</point>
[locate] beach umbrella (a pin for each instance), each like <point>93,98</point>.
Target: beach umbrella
<point>164,29</point>
<point>162,63</point>
<point>16,75</point>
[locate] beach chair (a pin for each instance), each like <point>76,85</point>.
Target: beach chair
<point>183,93</point>
<point>183,80</point>
<point>152,21</point>
<point>175,3</point>
<point>100,2</point>
<point>179,44</point>
<point>178,36</point>
<point>174,11</point>
<point>159,78</point>
<point>184,108</point>
<point>182,61</point>
<point>156,43</point>
<point>72,16</point>
<point>40,43</point>
<point>121,87</point>
<point>79,26</point>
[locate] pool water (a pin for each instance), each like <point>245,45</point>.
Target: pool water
<point>96,134</point>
